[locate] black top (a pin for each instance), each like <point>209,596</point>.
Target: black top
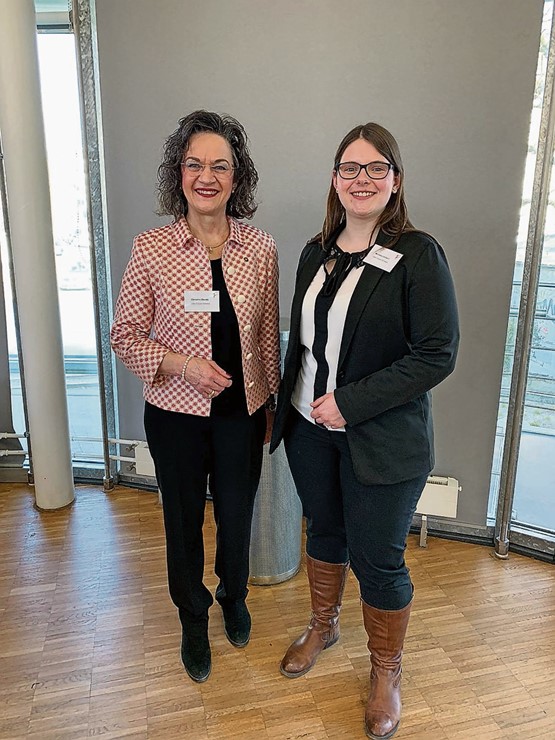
<point>226,349</point>
<point>400,340</point>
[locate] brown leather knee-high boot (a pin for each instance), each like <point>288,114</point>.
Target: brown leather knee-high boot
<point>386,632</point>
<point>327,582</point>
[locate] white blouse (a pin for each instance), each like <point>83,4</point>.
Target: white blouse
<point>303,393</point>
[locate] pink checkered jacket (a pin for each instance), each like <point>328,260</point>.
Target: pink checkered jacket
<point>150,318</point>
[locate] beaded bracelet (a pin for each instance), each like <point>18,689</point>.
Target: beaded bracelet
<point>184,368</point>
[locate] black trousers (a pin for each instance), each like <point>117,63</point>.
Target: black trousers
<point>347,520</point>
<point>189,452</point>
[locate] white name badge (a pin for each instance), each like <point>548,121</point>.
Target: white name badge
<point>382,257</point>
<point>202,300</point>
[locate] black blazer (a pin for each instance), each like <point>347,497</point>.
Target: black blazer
<point>400,339</point>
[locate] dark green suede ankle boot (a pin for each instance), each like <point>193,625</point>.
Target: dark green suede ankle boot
<point>195,650</point>
<point>237,623</point>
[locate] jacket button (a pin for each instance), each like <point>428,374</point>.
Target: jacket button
<point>241,299</point>
<point>230,271</point>
<point>249,356</point>
<point>341,374</point>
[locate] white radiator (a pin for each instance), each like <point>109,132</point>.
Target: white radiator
<point>439,498</point>
<point>143,461</point>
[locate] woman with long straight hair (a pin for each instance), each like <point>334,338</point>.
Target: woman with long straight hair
<point>373,329</point>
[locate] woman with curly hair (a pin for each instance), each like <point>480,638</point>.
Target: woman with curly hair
<point>197,320</point>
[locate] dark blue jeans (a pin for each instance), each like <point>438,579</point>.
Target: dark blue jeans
<point>346,520</point>
<point>188,451</point>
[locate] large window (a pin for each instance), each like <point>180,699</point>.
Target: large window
<point>534,504</point>
<point>61,109</point>
<point>64,146</point>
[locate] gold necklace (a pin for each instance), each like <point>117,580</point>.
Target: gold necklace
<point>216,246</point>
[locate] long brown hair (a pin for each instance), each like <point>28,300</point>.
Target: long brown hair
<point>394,220</point>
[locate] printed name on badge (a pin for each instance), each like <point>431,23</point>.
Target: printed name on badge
<point>382,257</point>
<point>202,300</point>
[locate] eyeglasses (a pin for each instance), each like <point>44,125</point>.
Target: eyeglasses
<point>223,170</point>
<point>374,170</point>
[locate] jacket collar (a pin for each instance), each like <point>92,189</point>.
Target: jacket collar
<point>366,285</point>
<point>185,238</point>
<point>382,239</point>
<point>362,293</point>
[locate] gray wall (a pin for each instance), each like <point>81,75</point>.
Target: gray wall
<point>454,82</point>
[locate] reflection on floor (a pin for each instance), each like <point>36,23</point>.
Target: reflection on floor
<point>89,642</point>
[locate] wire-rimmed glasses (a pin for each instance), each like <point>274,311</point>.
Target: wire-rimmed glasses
<point>222,169</point>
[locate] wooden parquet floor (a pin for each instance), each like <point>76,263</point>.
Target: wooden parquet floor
<point>89,641</point>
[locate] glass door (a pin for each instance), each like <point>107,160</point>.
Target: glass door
<point>60,92</point>
<point>534,498</point>
<point>522,500</point>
